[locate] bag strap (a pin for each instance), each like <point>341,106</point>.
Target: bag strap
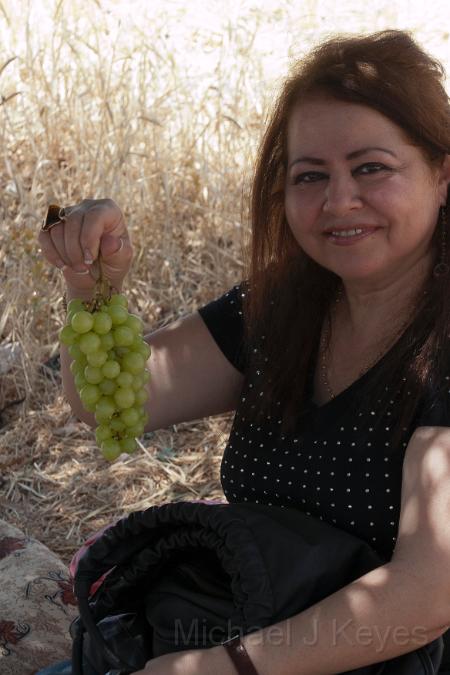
<point>87,623</point>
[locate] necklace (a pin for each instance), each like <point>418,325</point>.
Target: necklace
<point>324,365</point>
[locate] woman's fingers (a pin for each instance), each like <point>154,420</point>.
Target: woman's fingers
<point>101,217</point>
<point>72,225</point>
<point>58,242</point>
<point>110,247</point>
<point>57,237</point>
<point>81,281</point>
<point>53,251</point>
<point>92,227</point>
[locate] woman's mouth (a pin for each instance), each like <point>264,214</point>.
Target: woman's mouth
<point>349,237</point>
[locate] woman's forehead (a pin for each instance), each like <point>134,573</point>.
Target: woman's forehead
<point>318,120</point>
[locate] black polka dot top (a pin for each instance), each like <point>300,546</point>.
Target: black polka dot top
<point>336,467</point>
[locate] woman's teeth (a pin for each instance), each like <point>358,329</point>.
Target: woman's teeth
<point>346,233</point>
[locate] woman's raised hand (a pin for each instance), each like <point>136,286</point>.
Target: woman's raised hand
<point>88,229</point>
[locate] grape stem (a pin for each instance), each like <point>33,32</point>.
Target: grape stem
<point>102,289</point>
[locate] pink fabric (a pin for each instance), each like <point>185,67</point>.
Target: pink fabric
<point>76,558</point>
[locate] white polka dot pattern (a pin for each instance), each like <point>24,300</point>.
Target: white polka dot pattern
<point>337,468</point>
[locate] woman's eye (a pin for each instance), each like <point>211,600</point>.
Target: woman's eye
<point>304,177</point>
<point>373,166</point>
<point>366,169</point>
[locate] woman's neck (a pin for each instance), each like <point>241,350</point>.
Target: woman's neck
<point>364,313</point>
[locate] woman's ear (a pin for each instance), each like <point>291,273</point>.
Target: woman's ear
<point>444,180</point>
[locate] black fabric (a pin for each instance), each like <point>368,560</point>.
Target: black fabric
<point>232,568</point>
<point>224,319</point>
<point>339,467</point>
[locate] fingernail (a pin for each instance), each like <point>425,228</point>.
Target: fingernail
<point>82,272</point>
<point>88,259</point>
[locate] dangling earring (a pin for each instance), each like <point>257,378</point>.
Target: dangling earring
<point>442,268</point>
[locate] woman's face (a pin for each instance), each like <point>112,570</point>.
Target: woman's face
<point>350,167</point>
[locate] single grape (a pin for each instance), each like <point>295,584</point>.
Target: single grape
<point>108,386</point>
<point>146,376</point>
<point>118,314</point>
<point>138,382</point>
<point>102,433</point>
<point>137,430</point>
<point>107,341</point>
<point>124,379</point>
<point>97,358</point>
<point>89,342</point>
<point>82,322</point>
<point>128,445</point>
<point>130,417</point>
<point>101,418</point>
<point>119,299</point>
<point>121,351</point>
<point>135,323</point>
<point>111,449</point>
<point>75,352</point>
<point>116,424</point>
<point>102,323</point>
<point>140,396</point>
<point>68,336</point>
<point>110,369</point>
<point>136,345</point>
<point>123,336</point>
<point>106,406</point>
<point>133,363</point>
<point>75,305</point>
<point>145,350</point>
<point>90,394</point>
<point>79,381</point>
<point>76,367</point>
<point>93,375</point>
<point>124,398</point>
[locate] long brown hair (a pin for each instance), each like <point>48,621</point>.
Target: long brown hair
<point>289,293</point>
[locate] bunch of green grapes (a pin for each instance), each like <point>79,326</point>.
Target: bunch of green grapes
<point>109,357</point>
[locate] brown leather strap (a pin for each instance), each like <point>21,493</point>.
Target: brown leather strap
<point>239,656</point>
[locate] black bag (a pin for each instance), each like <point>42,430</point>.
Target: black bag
<point>189,575</point>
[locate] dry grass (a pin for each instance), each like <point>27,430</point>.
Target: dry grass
<point>163,113</point>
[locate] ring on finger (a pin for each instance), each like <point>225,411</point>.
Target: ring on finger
<point>55,215</point>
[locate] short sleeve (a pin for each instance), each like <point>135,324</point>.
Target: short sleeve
<point>224,320</point>
<point>435,411</point>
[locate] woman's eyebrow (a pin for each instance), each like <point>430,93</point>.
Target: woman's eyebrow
<point>351,155</point>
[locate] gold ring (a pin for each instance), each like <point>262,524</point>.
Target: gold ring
<point>55,215</point>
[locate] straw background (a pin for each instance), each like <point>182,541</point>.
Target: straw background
<point>159,105</point>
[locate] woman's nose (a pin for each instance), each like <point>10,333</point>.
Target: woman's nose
<point>342,194</point>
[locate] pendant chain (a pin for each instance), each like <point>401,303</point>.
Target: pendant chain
<point>325,351</point>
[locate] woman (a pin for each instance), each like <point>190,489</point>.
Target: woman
<point>347,288</point>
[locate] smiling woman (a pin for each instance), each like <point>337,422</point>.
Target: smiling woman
<point>351,184</point>
<point>334,353</point>
<point>387,196</point>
